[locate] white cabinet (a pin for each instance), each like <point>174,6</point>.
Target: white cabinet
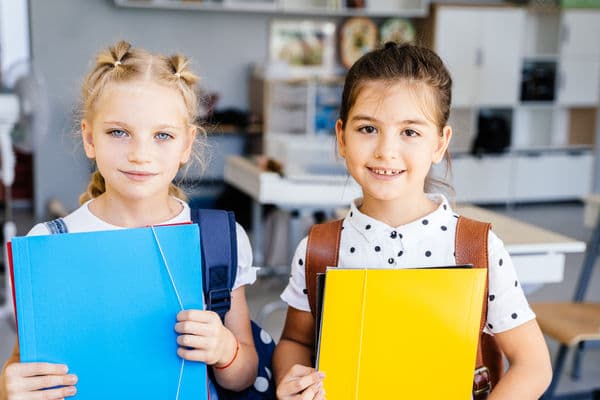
<point>523,176</point>
<point>580,33</point>
<point>541,176</point>
<point>579,81</point>
<point>478,46</point>
<point>579,53</point>
<point>482,179</point>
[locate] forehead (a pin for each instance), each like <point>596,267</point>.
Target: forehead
<point>127,100</point>
<point>401,97</point>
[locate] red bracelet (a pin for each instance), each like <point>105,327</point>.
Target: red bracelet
<point>237,350</point>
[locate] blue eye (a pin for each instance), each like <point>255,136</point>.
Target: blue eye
<point>118,133</point>
<point>369,129</point>
<point>163,136</point>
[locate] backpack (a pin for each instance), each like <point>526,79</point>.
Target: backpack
<point>219,268</point>
<point>471,248</point>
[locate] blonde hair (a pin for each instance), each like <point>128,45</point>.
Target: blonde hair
<point>122,63</point>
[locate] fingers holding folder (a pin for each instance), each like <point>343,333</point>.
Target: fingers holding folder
<point>28,378</point>
<point>301,382</point>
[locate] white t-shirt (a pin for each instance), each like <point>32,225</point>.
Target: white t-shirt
<point>82,220</point>
<point>428,242</point>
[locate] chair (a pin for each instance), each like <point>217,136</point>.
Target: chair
<point>575,324</point>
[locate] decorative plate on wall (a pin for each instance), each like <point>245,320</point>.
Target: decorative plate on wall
<point>357,36</point>
<point>399,30</point>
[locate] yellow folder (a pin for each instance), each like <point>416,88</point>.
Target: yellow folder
<point>401,334</point>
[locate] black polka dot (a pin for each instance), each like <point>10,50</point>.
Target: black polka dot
<point>305,291</point>
<point>454,254</point>
<point>490,326</point>
<point>352,249</point>
<point>425,222</point>
<point>400,253</point>
<point>443,227</point>
<point>351,213</point>
<point>393,234</point>
<point>445,207</point>
<point>300,261</point>
<point>500,262</point>
<point>377,248</point>
<point>455,215</point>
<point>343,227</point>
<point>492,297</point>
<point>516,283</point>
<point>400,235</point>
<point>390,260</point>
<point>514,315</point>
<point>427,253</point>
<point>368,227</point>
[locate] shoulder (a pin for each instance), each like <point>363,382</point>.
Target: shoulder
<point>243,242</point>
<point>39,229</point>
<point>80,220</point>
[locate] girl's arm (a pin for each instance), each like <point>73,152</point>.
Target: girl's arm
<point>204,338</point>
<point>242,372</point>
<point>530,369</point>
<point>24,380</point>
<point>292,358</point>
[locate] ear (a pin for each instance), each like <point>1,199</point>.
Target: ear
<point>339,136</point>
<point>187,151</point>
<point>88,139</point>
<point>443,143</point>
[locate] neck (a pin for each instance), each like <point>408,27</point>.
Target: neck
<point>398,211</point>
<point>132,214</point>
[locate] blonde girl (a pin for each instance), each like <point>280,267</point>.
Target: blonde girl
<point>138,125</point>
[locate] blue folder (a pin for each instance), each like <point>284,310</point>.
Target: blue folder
<point>103,303</point>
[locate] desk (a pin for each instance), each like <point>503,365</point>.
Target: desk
<point>271,188</point>
<point>538,254</point>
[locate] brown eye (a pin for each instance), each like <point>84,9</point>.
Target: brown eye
<point>368,129</point>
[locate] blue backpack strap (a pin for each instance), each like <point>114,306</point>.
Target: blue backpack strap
<point>219,256</point>
<point>56,226</point>
<point>219,268</point>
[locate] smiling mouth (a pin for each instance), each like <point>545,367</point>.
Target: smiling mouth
<point>138,175</point>
<point>386,171</point>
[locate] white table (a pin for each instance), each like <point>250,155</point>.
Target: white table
<point>538,254</point>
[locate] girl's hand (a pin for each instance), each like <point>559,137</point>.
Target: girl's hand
<point>204,338</point>
<point>25,380</point>
<point>302,383</point>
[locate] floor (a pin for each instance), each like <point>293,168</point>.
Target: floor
<point>564,218</point>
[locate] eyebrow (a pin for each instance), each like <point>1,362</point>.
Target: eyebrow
<point>403,122</point>
<point>159,127</point>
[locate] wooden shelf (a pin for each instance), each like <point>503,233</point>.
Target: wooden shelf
<point>409,8</point>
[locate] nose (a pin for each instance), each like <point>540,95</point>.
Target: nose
<point>387,147</point>
<point>139,151</point>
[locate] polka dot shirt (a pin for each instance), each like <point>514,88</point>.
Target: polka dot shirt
<point>426,242</point>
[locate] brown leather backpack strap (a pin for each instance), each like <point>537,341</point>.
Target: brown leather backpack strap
<point>471,247</point>
<point>322,251</point>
